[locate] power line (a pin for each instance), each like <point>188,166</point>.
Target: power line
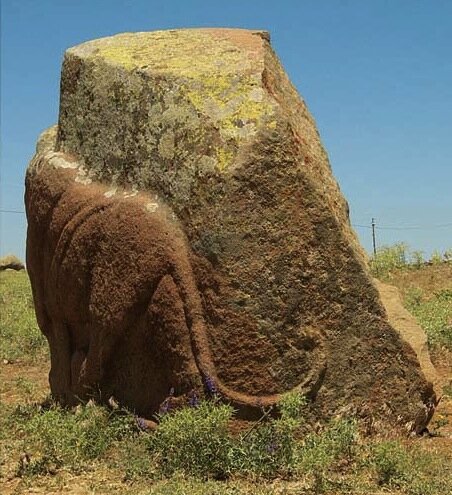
<point>373,225</point>
<point>411,227</point>
<point>417,227</point>
<point>12,211</point>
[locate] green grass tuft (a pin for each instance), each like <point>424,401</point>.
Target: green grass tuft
<point>56,437</point>
<point>20,337</point>
<point>434,314</point>
<point>194,441</point>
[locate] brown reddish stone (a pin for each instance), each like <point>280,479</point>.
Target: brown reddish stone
<point>184,225</point>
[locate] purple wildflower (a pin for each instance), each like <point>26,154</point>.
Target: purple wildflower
<point>165,406</point>
<point>193,401</point>
<point>141,423</point>
<point>272,447</point>
<point>210,386</point>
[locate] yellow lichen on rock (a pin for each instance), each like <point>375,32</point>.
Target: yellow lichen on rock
<point>172,51</point>
<point>225,83</point>
<point>224,158</point>
<point>237,104</point>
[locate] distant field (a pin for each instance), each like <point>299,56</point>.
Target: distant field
<point>426,287</point>
<point>91,449</point>
<point>20,338</point>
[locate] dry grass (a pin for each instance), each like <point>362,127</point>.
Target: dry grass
<point>428,278</point>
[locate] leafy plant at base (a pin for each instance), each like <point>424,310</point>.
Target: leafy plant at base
<point>57,437</point>
<point>320,451</point>
<point>292,406</point>
<point>194,441</point>
<point>271,449</point>
<point>391,462</point>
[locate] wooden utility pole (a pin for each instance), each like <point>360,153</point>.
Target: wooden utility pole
<point>373,237</point>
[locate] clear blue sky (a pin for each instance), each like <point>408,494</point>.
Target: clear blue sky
<point>376,74</point>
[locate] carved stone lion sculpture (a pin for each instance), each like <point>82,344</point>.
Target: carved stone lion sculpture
<point>185,228</point>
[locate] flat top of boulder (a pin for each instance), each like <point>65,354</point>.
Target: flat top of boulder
<point>217,51</point>
<point>201,90</point>
<point>218,70</point>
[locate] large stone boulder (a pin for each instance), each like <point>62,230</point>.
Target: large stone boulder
<point>11,262</point>
<point>185,229</point>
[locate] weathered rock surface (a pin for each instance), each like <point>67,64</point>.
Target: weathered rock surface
<point>11,262</point>
<point>184,225</point>
<point>410,331</point>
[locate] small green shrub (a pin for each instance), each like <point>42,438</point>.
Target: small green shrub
<point>315,461</point>
<point>321,452</point>
<point>436,258</point>
<point>194,441</point>
<point>268,451</point>
<point>271,448</point>
<point>341,437</point>
<point>414,297</point>
<point>417,258</point>
<point>57,437</point>
<point>413,471</point>
<point>391,462</point>
<point>292,405</point>
<point>389,258</point>
<point>257,453</point>
<point>448,255</point>
<point>444,295</point>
